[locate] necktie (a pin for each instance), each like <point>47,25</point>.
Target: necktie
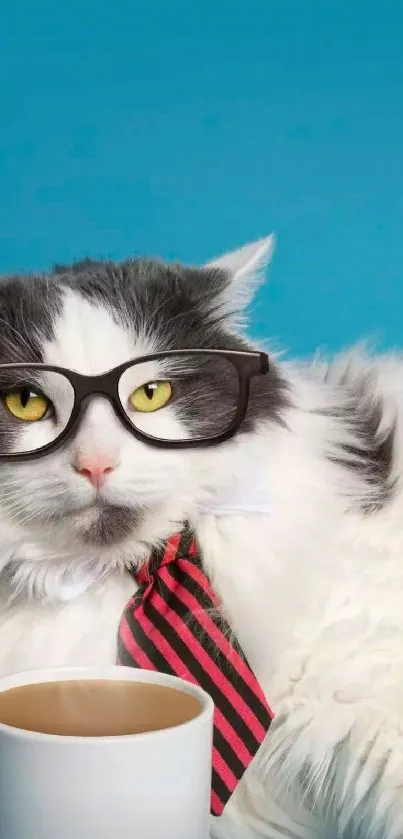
<point>173,624</point>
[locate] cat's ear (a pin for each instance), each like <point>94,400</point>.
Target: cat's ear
<point>245,269</point>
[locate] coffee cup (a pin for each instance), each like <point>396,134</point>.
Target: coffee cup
<point>104,753</point>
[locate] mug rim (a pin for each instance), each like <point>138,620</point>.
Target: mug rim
<point>107,673</point>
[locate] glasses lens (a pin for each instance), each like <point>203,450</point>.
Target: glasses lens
<point>35,407</point>
<point>181,398</point>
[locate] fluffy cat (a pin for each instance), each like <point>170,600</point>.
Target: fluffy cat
<point>307,559</point>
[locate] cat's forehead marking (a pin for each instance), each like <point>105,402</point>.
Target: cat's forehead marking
<point>87,338</point>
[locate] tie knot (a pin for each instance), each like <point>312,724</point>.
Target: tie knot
<point>177,547</point>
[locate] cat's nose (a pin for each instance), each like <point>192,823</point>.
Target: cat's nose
<point>95,469</point>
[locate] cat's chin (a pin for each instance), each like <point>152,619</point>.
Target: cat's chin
<point>104,525</point>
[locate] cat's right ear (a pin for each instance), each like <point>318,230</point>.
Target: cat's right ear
<point>245,269</point>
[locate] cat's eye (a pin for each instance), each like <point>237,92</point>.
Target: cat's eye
<point>27,405</point>
<point>151,397</point>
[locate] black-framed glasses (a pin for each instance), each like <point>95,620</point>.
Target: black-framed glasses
<point>172,400</point>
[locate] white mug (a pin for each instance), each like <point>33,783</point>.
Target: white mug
<point>153,785</point>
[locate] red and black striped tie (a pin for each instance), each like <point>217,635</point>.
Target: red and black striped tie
<point>173,624</point>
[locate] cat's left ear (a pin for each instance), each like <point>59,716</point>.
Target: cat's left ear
<point>245,269</point>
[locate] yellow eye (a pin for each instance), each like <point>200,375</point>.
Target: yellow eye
<point>151,397</point>
<point>26,405</point>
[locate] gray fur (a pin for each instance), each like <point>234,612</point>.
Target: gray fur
<point>372,457</point>
<point>111,524</point>
<point>28,307</point>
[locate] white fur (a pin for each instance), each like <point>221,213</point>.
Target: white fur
<point>314,590</point>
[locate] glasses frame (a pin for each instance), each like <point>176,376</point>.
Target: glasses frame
<point>247,365</point>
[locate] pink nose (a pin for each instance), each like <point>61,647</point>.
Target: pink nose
<point>95,469</point>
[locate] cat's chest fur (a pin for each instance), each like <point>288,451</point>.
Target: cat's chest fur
<point>276,605</point>
<point>321,628</point>
<point>251,579</point>
<point>81,631</point>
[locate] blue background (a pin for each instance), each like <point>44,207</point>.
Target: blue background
<point>186,128</point>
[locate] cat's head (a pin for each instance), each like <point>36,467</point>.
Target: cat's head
<point>103,485</point>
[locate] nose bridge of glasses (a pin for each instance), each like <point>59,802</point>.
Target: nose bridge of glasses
<point>103,384</point>
<point>88,389</point>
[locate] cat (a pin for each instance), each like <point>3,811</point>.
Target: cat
<point>298,518</point>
